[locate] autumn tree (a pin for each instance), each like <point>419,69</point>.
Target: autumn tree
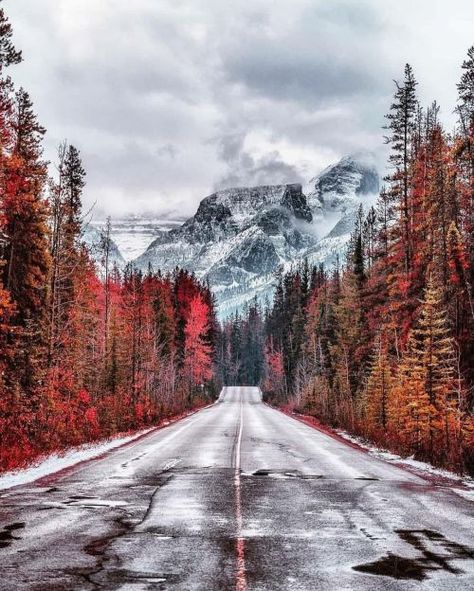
<point>378,392</point>
<point>427,372</point>
<point>197,353</point>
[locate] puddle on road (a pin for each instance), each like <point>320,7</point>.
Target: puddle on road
<point>6,534</point>
<point>396,567</point>
<point>437,553</point>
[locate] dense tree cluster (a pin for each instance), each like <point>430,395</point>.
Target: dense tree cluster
<point>383,345</point>
<point>82,355</point>
<point>240,349</point>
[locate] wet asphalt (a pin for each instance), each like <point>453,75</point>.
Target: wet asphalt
<point>237,496</point>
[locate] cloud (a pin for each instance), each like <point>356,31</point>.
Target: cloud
<point>248,171</point>
<point>169,100</point>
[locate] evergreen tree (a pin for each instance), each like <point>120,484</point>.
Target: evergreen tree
<point>401,127</point>
<point>26,268</point>
<point>378,392</point>
<point>65,245</point>
<point>428,370</point>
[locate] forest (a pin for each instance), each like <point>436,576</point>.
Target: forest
<point>84,352</point>
<point>383,344</point>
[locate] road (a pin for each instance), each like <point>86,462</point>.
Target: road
<point>238,496</point>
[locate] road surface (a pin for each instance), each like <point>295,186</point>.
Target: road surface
<point>238,496</point>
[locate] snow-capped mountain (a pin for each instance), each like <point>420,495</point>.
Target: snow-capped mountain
<point>240,237</point>
<point>93,239</point>
<point>341,186</point>
<point>134,233</point>
<point>335,196</point>
<point>235,234</point>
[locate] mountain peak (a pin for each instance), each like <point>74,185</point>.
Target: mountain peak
<point>242,203</point>
<point>342,185</point>
<point>239,237</point>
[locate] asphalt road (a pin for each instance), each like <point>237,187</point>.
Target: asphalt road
<point>237,496</point>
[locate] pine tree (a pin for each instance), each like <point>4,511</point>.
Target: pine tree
<point>464,186</point>
<point>428,370</point>
<point>26,268</point>
<point>466,92</point>
<point>9,56</point>
<point>65,244</point>
<point>402,128</point>
<point>198,355</point>
<point>379,389</point>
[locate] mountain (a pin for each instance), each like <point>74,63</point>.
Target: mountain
<point>235,235</point>
<point>92,237</point>
<point>133,234</point>
<point>341,186</point>
<point>335,196</point>
<point>240,237</point>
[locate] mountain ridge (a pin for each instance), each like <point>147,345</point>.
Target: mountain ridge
<point>239,237</point>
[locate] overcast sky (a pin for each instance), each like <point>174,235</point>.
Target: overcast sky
<point>170,99</point>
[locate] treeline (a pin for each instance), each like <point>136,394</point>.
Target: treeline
<point>82,355</point>
<point>240,347</point>
<point>383,345</point>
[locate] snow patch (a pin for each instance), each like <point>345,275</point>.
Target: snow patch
<point>60,461</point>
<point>421,467</point>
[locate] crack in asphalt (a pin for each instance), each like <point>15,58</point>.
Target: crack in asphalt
<point>100,548</point>
<point>217,527</point>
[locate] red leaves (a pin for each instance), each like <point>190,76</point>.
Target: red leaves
<point>84,397</point>
<point>198,357</point>
<point>141,373</point>
<point>80,359</point>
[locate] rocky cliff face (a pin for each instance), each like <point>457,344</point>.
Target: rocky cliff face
<point>236,233</point>
<point>239,237</point>
<point>341,186</point>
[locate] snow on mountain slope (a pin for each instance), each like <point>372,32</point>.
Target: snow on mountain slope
<point>234,233</point>
<point>240,237</point>
<point>134,234</point>
<point>93,238</point>
<point>341,186</point>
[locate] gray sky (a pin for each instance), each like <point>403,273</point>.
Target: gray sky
<point>170,99</point>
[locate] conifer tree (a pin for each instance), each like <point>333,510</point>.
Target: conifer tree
<point>9,56</point>
<point>65,244</point>
<point>26,268</point>
<point>466,93</point>
<point>428,371</point>
<point>198,354</point>
<point>379,388</point>
<point>401,127</point>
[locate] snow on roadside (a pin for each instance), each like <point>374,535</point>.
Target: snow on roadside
<point>60,461</point>
<point>466,483</point>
